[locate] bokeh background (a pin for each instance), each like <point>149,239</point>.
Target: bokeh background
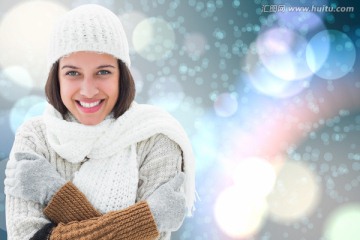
<point>268,91</point>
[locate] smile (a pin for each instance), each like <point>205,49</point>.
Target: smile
<point>89,105</point>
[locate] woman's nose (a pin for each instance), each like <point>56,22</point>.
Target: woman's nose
<point>89,88</point>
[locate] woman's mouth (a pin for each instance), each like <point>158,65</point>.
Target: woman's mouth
<point>89,107</point>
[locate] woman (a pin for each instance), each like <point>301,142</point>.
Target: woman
<point>97,165</point>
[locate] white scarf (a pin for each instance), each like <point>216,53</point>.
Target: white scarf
<point>74,141</point>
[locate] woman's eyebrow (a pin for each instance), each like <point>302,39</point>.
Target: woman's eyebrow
<point>69,66</point>
<point>105,66</point>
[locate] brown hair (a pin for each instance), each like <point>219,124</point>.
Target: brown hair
<point>126,90</point>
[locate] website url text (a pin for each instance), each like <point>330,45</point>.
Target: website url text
<point>283,8</point>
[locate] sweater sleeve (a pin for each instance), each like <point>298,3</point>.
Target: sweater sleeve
<point>24,218</point>
<point>160,159</point>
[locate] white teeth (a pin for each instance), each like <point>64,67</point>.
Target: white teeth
<point>89,105</point>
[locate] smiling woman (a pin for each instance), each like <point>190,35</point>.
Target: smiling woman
<point>97,165</point>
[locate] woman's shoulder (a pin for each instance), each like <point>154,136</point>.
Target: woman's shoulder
<point>156,138</point>
<point>156,141</point>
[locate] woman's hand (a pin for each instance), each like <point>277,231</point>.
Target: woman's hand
<point>33,178</point>
<point>168,205</point>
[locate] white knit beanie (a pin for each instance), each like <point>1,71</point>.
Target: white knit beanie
<point>89,27</point>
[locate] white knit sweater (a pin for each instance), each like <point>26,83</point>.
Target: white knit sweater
<point>141,134</point>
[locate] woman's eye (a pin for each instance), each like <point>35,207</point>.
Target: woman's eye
<point>72,73</point>
<point>103,72</point>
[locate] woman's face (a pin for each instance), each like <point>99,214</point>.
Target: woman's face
<point>89,85</point>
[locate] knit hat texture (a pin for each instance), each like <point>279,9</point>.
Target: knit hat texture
<point>89,27</point>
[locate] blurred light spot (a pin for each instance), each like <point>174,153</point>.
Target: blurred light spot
<point>129,21</point>
<point>195,44</point>
<point>254,177</point>
<point>343,223</point>
<point>24,37</point>
<point>25,108</point>
<point>219,34</point>
<point>267,83</point>
<point>153,39</point>
<point>341,56</point>
<point>283,53</point>
<point>15,82</point>
<point>188,111</point>
<point>166,93</point>
<point>18,75</point>
<point>317,51</point>
<point>107,3</point>
<point>236,3</point>
<point>296,193</point>
<point>225,105</point>
<point>139,82</point>
<point>238,215</point>
<point>36,110</point>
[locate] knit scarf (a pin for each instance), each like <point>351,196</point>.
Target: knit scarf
<point>76,142</point>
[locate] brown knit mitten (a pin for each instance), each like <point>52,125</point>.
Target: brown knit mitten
<point>133,223</point>
<point>69,204</point>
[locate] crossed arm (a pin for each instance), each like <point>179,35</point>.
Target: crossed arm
<point>26,217</point>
